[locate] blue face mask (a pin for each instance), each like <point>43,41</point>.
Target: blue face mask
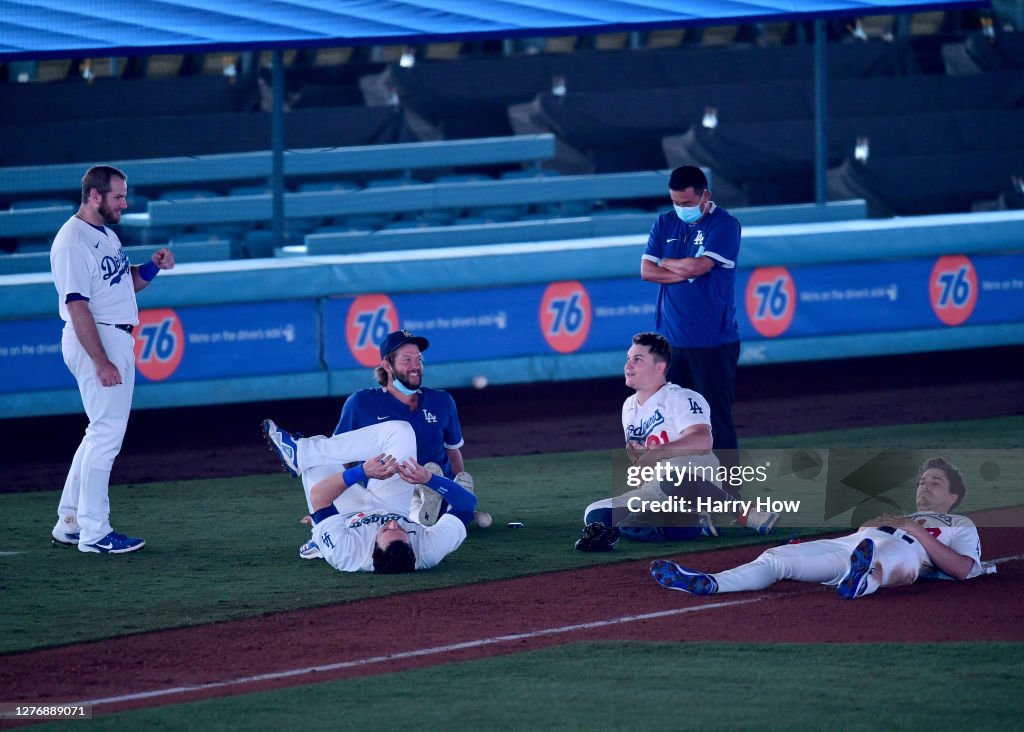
<point>403,388</point>
<point>689,214</point>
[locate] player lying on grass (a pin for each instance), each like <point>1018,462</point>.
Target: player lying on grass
<point>666,424</point>
<point>368,529</point>
<point>886,552</point>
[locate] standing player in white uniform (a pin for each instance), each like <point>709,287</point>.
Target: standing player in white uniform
<point>887,551</point>
<point>663,423</point>
<point>368,529</point>
<point>96,287</point>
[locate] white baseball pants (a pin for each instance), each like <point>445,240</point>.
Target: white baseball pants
<point>321,457</point>
<point>85,504</point>
<point>825,561</point>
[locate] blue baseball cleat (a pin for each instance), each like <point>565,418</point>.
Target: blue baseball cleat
<point>671,576</point>
<point>284,445</point>
<point>855,583</point>
<point>113,543</point>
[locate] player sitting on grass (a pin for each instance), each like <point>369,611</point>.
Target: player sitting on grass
<point>431,413</point>
<point>663,423</point>
<point>887,551</point>
<point>368,529</point>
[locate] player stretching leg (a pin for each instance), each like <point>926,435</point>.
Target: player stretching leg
<point>369,530</point>
<point>886,552</point>
<point>401,395</point>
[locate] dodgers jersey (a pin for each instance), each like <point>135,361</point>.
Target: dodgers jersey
<point>664,416</point>
<point>435,421</point>
<point>957,532</point>
<point>346,542</point>
<point>91,263</point>
<point>699,312</point>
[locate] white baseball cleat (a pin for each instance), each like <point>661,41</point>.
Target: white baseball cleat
<point>707,525</point>
<point>763,522</point>
<point>310,550</point>
<point>429,501</point>
<point>284,445</point>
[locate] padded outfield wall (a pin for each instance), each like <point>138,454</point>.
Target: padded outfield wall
<point>307,326</point>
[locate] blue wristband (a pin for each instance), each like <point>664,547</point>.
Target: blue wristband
<point>148,271</point>
<point>354,475</point>
<point>459,498</point>
<point>324,513</point>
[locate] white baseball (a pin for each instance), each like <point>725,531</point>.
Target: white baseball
<point>479,381</point>
<point>483,519</point>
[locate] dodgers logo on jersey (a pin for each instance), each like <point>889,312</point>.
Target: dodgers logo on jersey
<point>646,426</point>
<point>114,268</point>
<point>363,519</point>
<point>428,417</point>
<point>695,408</point>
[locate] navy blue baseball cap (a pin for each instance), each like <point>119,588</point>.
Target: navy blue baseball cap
<point>399,338</point>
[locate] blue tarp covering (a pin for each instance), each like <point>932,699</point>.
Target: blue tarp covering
<point>32,29</point>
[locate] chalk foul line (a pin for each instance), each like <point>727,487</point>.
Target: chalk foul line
<point>418,653</point>
<point>448,648</point>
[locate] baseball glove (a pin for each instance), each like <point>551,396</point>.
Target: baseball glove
<point>597,538</point>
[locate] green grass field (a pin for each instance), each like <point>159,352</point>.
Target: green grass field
<point>225,549</point>
<point>649,686</point>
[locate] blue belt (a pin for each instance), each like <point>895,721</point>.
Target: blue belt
<point>891,530</point>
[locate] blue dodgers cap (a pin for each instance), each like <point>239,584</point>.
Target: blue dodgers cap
<point>399,338</point>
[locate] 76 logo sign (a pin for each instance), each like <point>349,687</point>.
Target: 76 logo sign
<point>771,300</point>
<point>953,289</point>
<point>159,343</point>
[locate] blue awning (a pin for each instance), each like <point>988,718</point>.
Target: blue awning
<point>35,29</point>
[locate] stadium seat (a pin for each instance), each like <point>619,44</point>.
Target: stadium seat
<point>338,229</point>
<point>560,44</point>
<point>53,69</point>
<point>611,41</point>
<point>405,224</point>
<point>392,182</point>
<point>721,35</point>
<point>29,246</point>
<point>469,221</point>
<point>249,190</point>
<point>667,38</point>
<point>926,24</point>
<point>558,209</point>
<point>187,194</point>
<point>327,185</point>
<point>164,65</point>
<point>447,51</point>
<point>493,214</point>
<point>331,56</point>
<point>28,203</point>
<point>259,243</point>
<point>461,178</point>
<point>607,212</point>
<point>529,173</point>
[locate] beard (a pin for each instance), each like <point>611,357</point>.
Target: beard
<point>409,382</point>
<point>110,216</point>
